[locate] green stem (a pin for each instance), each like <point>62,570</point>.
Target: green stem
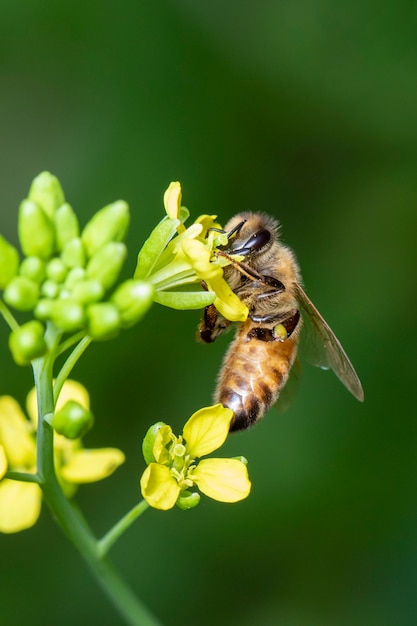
<point>8,316</point>
<point>70,520</point>
<point>69,364</point>
<point>120,527</point>
<point>68,343</point>
<point>22,476</point>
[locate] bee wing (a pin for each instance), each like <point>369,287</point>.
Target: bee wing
<point>326,351</point>
<point>290,389</point>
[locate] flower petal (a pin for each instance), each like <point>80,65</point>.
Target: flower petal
<point>208,222</point>
<point>3,462</point>
<point>15,434</point>
<point>158,487</point>
<point>207,430</point>
<point>71,390</point>
<point>225,480</point>
<point>226,302</point>
<point>87,466</point>
<point>172,200</point>
<point>162,438</point>
<point>20,505</point>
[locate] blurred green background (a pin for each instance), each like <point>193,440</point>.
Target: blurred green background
<point>306,110</point>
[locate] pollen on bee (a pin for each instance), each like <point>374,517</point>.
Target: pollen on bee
<point>280,332</point>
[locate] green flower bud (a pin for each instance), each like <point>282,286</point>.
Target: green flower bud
<point>73,253</point>
<point>106,264</point>
<point>36,231</point>
<point>9,262</point>
<point>27,342</point>
<point>72,420</point>
<point>66,225</point>
<point>103,321</point>
<point>133,298</point>
<point>67,315</point>
<point>74,276</point>
<point>108,224</point>
<point>87,291</point>
<point>43,309</point>
<point>46,192</point>
<point>34,268</point>
<point>148,442</point>
<point>56,270</point>
<point>50,289</point>
<point>187,500</point>
<point>21,293</point>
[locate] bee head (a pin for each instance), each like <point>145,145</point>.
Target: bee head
<point>250,233</point>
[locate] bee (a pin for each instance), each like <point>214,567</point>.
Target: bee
<point>258,362</point>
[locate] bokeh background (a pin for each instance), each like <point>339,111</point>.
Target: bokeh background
<point>306,110</point>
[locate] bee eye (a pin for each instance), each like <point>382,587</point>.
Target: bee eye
<point>255,243</point>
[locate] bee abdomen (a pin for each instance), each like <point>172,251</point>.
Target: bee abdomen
<point>253,374</point>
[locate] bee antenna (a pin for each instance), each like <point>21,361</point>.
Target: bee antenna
<point>236,230</point>
<point>218,230</point>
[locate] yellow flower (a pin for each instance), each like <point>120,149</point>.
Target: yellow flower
<point>173,470</point>
<point>172,200</point>
<point>174,256</point>
<point>20,501</point>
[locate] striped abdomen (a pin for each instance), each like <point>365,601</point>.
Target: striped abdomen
<point>253,373</point>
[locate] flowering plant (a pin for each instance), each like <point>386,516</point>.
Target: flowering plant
<point>66,290</point>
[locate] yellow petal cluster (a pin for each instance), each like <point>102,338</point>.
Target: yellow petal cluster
<point>174,256</point>
<point>176,470</point>
<point>20,501</point>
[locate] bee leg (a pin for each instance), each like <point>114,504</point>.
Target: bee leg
<point>289,321</point>
<point>273,282</point>
<point>212,325</point>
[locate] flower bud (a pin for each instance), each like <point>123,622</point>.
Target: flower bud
<point>56,270</point>
<point>108,224</point>
<point>43,309</point>
<point>36,231</point>
<point>87,291</point>
<point>66,225</point>
<point>73,253</point>
<point>21,293</point>
<point>103,321</point>
<point>27,342</point>
<point>34,268</point>
<point>133,298</point>
<point>46,192</point>
<point>74,276</point>
<point>67,315</point>
<point>72,420</point>
<point>106,263</point>
<point>148,442</point>
<point>187,500</point>
<point>50,289</point>
<point>9,262</point>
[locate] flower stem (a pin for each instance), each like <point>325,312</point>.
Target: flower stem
<point>8,316</point>
<point>71,521</point>
<point>22,476</point>
<point>106,542</point>
<point>69,364</point>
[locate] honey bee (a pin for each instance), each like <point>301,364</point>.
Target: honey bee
<point>258,362</point>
